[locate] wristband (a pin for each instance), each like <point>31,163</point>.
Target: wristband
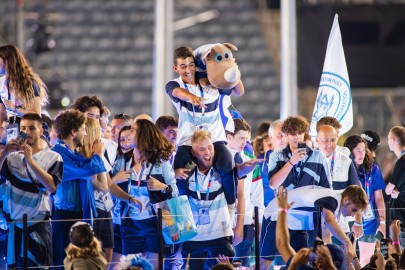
<point>358,224</point>
<point>290,163</point>
<point>382,222</point>
<point>166,188</point>
<point>284,210</point>
<point>396,243</point>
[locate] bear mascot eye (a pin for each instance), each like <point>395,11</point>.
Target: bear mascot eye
<point>218,57</point>
<point>226,55</point>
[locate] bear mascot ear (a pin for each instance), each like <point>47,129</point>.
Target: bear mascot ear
<point>218,62</point>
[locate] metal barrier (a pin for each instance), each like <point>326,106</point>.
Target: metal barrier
<point>161,239</point>
<point>160,232</point>
<point>257,235</point>
<point>25,241</point>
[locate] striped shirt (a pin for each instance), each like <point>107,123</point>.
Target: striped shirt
<point>342,170</point>
<point>24,192</point>
<point>136,186</point>
<point>220,224</point>
<point>192,117</point>
<point>313,170</point>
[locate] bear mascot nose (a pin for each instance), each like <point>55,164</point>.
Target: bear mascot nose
<point>231,74</point>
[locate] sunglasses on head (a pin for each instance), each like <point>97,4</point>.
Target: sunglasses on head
<point>123,117</point>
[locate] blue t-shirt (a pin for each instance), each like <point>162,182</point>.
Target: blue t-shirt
<point>371,182</point>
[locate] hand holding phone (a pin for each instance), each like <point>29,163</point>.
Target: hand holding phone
<point>317,244</point>
<point>22,137</point>
<point>384,247</point>
<point>302,145</point>
<point>299,153</point>
<point>190,165</point>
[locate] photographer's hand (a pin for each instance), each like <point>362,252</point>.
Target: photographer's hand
<point>12,146</point>
<point>300,258</point>
<point>282,198</point>
<point>380,262</point>
<point>298,155</point>
<point>324,258</point>
<point>181,173</point>
<point>27,152</point>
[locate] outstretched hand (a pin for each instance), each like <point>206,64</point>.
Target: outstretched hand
<point>282,198</point>
<point>248,166</point>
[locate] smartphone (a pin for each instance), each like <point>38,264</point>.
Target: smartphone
<point>384,247</point>
<point>313,255</point>
<point>317,244</point>
<point>302,145</point>
<point>22,137</point>
<point>379,236</point>
<point>190,165</point>
<point>351,237</point>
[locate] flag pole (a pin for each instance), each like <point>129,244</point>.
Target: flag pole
<point>288,70</point>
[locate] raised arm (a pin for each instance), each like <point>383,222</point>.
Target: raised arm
<point>282,233</point>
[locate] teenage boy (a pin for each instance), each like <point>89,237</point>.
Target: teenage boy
<point>293,167</point>
<point>199,108</point>
<point>74,197</point>
<point>249,194</point>
<point>278,141</point>
<point>31,172</point>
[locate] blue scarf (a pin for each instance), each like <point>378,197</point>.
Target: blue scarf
<point>77,167</point>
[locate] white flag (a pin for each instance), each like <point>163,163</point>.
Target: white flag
<point>334,94</point>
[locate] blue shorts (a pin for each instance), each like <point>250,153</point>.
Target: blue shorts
<point>103,228</point>
<point>268,249</point>
<point>368,238</point>
<point>139,236</point>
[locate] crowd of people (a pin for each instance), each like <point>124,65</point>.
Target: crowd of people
<point>90,186</point>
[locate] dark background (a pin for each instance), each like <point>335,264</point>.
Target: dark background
<point>373,40</point>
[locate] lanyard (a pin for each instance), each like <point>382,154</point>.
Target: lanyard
<point>332,164</point>
<point>367,181</point>
<point>138,177</point>
<point>199,87</point>
<point>202,96</point>
<point>207,194</point>
<point>402,152</point>
<point>295,170</point>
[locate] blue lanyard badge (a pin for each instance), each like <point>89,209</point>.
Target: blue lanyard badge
<point>368,214</point>
<point>367,183</point>
<point>207,194</point>
<point>296,172</point>
<point>202,96</point>
<point>332,164</point>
